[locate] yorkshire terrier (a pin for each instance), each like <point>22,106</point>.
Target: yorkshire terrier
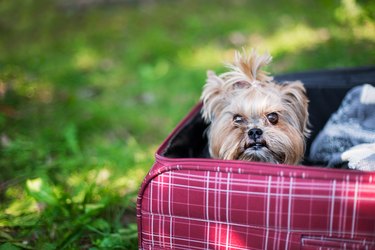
<point>251,116</point>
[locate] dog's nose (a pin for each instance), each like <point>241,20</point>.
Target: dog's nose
<point>255,133</point>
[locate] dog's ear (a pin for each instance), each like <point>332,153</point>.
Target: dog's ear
<point>212,96</point>
<point>294,97</point>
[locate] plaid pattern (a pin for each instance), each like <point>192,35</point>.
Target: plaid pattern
<point>235,205</point>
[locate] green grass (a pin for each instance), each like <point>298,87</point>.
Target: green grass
<point>87,95</point>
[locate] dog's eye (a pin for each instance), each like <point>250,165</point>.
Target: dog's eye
<point>238,119</point>
<point>273,118</point>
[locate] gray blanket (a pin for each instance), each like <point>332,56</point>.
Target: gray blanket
<point>348,138</point>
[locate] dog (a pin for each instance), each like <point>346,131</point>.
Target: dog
<point>253,118</point>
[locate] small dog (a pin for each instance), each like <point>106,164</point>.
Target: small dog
<point>252,117</point>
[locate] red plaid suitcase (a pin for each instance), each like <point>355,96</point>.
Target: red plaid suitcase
<point>190,202</point>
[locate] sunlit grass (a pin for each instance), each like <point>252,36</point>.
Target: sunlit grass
<point>365,32</point>
<point>296,39</point>
<point>205,57</point>
<point>86,59</point>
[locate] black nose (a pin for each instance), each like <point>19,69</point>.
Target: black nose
<point>255,133</point>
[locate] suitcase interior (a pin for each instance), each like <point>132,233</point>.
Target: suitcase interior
<point>325,90</point>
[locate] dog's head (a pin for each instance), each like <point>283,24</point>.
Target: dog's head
<point>253,118</point>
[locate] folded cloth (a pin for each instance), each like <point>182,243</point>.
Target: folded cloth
<point>360,157</point>
<point>351,125</point>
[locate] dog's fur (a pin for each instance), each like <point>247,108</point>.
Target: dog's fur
<point>252,117</point>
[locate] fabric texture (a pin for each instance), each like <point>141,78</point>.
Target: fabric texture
<point>198,205</point>
<point>347,137</point>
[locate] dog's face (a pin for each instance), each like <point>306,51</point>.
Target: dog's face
<point>253,118</point>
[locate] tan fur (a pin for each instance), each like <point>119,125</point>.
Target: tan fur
<point>248,91</point>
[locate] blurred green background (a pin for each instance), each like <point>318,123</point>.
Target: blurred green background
<point>90,88</point>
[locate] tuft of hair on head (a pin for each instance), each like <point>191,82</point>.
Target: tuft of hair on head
<point>245,72</point>
<point>250,65</point>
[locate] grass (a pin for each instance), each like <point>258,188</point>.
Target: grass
<point>87,93</point>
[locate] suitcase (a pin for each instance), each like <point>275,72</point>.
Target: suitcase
<point>188,201</point>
